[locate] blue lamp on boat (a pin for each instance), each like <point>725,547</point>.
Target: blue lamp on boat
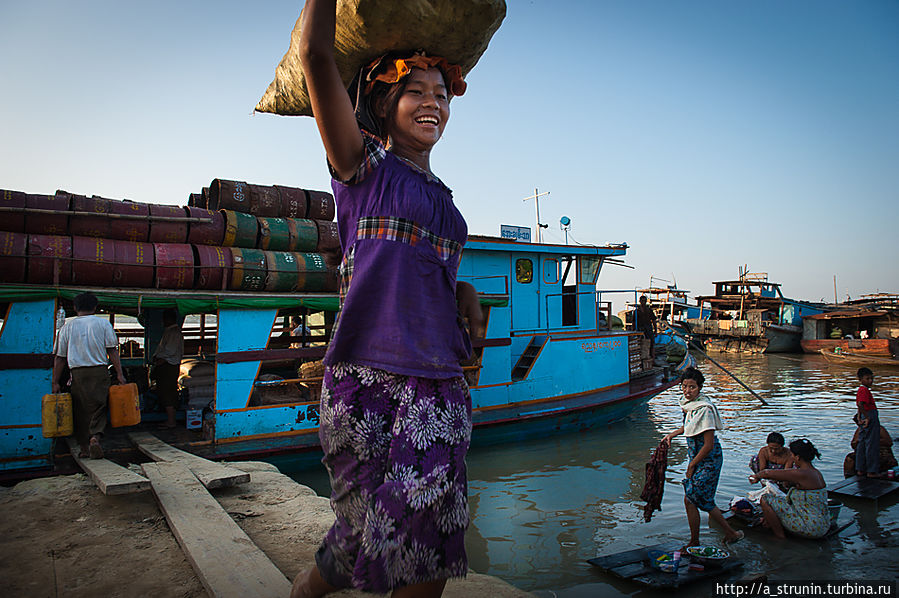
<point>565,223</point>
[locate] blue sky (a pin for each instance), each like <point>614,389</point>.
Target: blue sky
<point>705,134</point>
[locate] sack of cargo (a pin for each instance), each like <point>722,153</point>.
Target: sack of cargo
<point>458,30</point>
<point>197,368</point>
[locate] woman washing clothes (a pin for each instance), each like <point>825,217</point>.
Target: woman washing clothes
<point>701,420</point>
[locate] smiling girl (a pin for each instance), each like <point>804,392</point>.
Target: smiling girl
<point>701,420</point>
<point>395,409</point>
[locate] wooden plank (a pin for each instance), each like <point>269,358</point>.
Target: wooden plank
<point>634,565</point>
<point>863,487</point>
<point>109,477</point>
<point>227,562</point>
<point>210,473</point>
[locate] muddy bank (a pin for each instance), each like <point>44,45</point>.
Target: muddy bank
<point>62,537</point>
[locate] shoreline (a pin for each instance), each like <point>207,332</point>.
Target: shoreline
<point>63,537</point>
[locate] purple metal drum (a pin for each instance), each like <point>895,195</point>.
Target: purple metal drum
<point>327,236</point>
<point>163,231</point>
<point>92,261</point>
<point>264,201</point>
<point>134,224</point>
<point>213,267</point>
<point>12,256</point>
<point>206,233</point>
<point>320,205</point>
<point>293,202</point>
<point>14,219</point>
<point>54,218</point>
<point>90,216</point>
<point>49,259</point>
<point>174,265</point>
<point>133,264</point>
<point>229,195</point>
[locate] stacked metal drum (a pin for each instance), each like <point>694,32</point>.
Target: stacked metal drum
<point>232,236</point>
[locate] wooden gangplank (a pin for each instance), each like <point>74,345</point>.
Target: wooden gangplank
<point>227,562</point>
<point>210,473</point>
<point>863,487</point>
<point>109,477</point>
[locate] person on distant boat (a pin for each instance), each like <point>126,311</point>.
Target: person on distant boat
<point>87,344</point>
<point>885,449</point>
<point>645,321</point>
<point>395,409</point>
<point>867,453</point>
<point>803,511</point>
<point>774,455</point>
<point>701,420</point>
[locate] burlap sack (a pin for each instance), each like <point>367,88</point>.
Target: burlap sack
<point>458,30</point>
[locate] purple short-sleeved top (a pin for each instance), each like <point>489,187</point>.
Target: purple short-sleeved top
<point>402,239</point>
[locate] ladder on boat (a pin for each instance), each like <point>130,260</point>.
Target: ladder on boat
<point>523,367</point>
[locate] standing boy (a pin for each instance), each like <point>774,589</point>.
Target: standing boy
<point>87,343</point>
<point>167,365</point>
<point>867,453</point>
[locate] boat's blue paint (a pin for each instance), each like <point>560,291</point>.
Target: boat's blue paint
<point>28,328</point>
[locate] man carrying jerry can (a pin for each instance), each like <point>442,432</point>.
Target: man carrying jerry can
<point>86,342</point>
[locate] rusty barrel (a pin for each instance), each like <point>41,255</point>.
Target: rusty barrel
<point>264,201</point>
<point>167,231</point>
<point>92,261</point>
<point>13,248</point>
<point>204,201</point>
<point>133,264</point>
<point>305,235</point>
<point>195,200</point>
<point>327,236</point>
<point>213,266</point>
<point>90,216</point>
<point>13,218</point>
<point>282,271</point>
<point>313,272</point>
<point>276,234</point>
<point>174,265</point>
<point>320,205</point>
<point>53,219</point>
<point>229,195</point>
<point>293,201</point>
<point>248,270</point>
<point>241,229</point>
<point>206,233</point>
<point>128,221</point>
<point>49,259</point>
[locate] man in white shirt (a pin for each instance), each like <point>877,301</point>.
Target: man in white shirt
<point>167,365</point>
<point>87,343</point>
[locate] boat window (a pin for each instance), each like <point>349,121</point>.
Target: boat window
<point>550,271</point>
<point>524,270</point>
<point>588,268</point>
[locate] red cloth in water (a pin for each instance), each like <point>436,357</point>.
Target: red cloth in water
<point>655,481</point>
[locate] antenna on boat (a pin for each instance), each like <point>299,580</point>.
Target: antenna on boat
<point>565,223</point>
<point>536,198</point>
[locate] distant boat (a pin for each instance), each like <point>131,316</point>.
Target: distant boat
<point>852,359</point>
<point>868,326</point>
<point>749,315</point>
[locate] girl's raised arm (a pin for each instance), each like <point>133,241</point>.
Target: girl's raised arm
<point>330,101</point>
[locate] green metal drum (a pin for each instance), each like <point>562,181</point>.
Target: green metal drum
<point>313,272</point>
<point>274,233</point>
<point>241,230</point>
<point>283,272</point>
<point>305,235</point>
<point>248,272</point>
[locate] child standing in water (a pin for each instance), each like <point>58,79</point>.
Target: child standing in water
<point>395,409</point>
<point>701,419</point>
<point>867,453</point>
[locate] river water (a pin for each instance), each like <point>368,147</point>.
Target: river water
<point>540,509</point>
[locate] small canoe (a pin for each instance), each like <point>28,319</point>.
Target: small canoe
<point>849,358</point>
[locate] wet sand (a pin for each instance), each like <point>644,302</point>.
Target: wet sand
<point>63,537</point>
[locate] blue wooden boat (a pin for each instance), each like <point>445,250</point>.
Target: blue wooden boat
<point>547,364</point>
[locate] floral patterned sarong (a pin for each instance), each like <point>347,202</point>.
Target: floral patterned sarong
<point>395,451</point>
<point>802,512</point>
<point>701,488</point>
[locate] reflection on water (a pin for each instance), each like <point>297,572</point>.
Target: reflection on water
<point>540,509</point>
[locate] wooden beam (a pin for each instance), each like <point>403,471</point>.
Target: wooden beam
<point>210,473</point>
<point>109,477</point>
<point>227,562</point>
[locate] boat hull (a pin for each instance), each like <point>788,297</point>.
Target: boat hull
<point>857,360</point>
<point>878,347</point>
